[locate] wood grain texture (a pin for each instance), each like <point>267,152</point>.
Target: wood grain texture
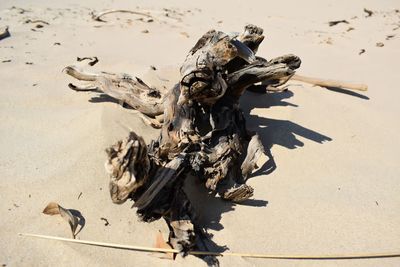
<point>203,130</point>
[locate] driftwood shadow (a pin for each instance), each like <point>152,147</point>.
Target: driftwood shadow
<point>275,131</point>
<point>209,209</point>
<point>347,92</point>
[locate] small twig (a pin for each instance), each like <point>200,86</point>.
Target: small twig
<point>83,88</point>
<point>211,253</point>
<point>98,16</point>
<point>335,22</point>
<point>93,60</point>
<point>330,83</point>
<point>106,223</point>
<point>37,21</point>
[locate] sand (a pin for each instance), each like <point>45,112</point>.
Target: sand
<point>335,188</point>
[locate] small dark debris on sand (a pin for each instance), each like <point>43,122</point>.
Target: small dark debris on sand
<point>106,223</point>
<point>362,51</point>
<point>29,63</point>
<point>6,61</point>
<point>335,22</point>
<point>20,10</point>
<point>369,12</point>
<point>145,31</point>
<point>390,36</point>
<point>153,68</point>
<point>57,43</point>
<point>37,21</point>
<point>380,44</point>
<point>93,60</point>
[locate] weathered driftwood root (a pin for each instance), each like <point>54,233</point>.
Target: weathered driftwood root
<point>131,91</point>
<point>203,130</point>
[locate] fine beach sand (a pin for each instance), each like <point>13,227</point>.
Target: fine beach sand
<point>336,185</point>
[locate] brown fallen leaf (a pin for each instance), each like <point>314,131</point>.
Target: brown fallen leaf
<point>54,209</point>
<point>160,243</point>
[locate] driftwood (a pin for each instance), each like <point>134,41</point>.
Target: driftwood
<point>203,130</point>
<point>330,83</point>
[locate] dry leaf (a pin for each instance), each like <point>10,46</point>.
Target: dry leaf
<point>160,243</point>
<point>53,209</point>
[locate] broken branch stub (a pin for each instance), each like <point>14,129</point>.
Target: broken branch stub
<point>203,130</point>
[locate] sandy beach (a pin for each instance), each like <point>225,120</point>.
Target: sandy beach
<point>332,186</point>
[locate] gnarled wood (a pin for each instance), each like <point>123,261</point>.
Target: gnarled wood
<point>203,129</point>
<point>131,91</point>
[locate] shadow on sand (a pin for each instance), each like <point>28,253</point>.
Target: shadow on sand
<point>272,132</point>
